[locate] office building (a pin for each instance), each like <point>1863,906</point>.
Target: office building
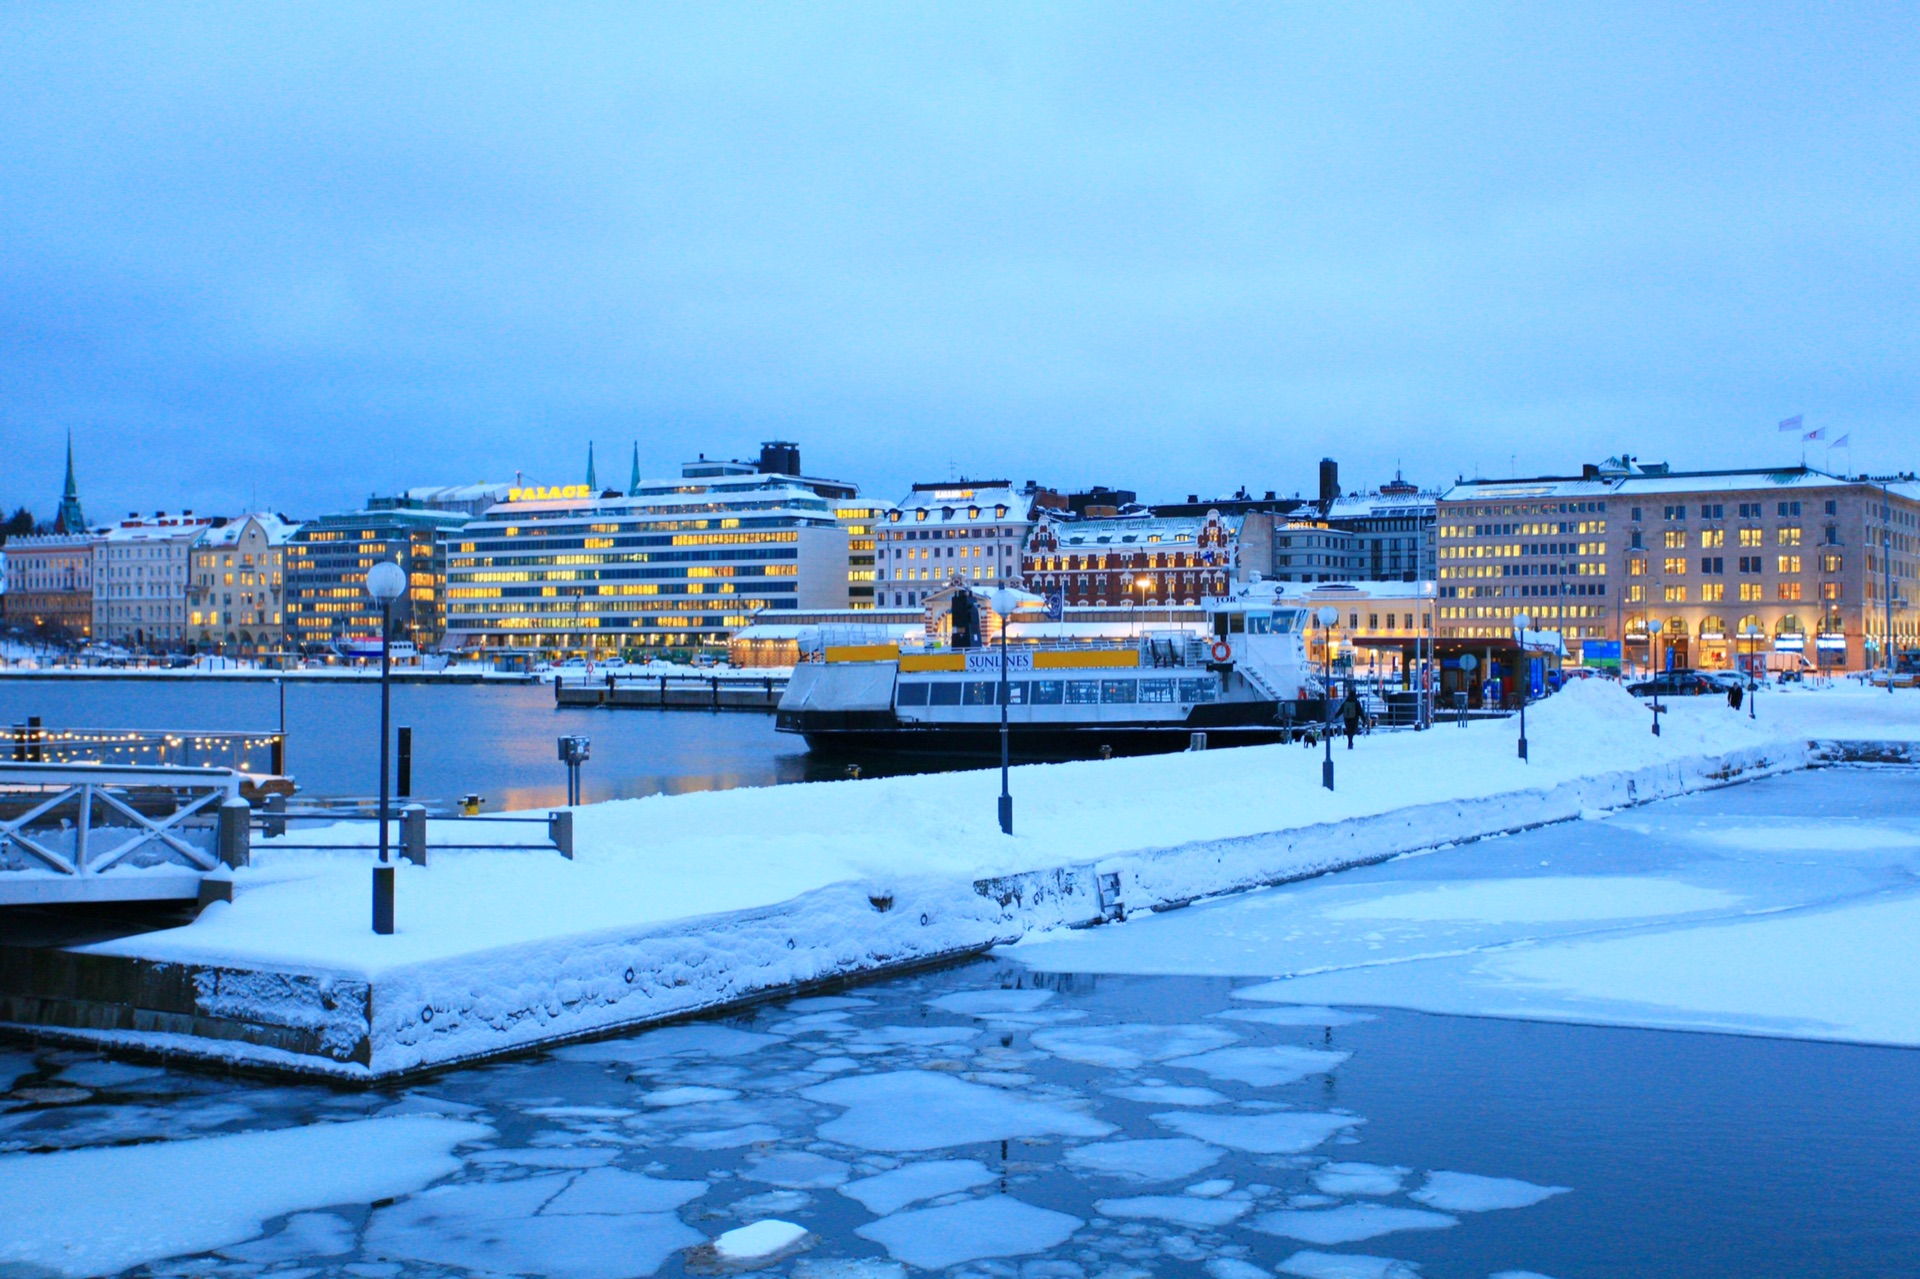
<point>325,596</point>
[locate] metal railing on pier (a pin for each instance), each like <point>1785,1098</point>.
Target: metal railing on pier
<point>407,834</point>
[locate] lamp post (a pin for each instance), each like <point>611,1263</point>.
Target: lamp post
<point>1005,600</point>
<point>386,582</point>
<point>1521,622</point>
<point>1653,660</point>
<point>1328,615</point>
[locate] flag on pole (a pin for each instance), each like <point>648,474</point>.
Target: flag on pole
<point>1844,441</point>
<point>1791,424</point>
<point>1818,433</point>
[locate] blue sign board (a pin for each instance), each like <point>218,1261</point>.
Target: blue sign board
<point>1599,652</point>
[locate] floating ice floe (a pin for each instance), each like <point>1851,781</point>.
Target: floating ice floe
<point>1270,1067</point>
<point>809,1023</point>
<point>796,1170</point>
<point>672,1041</point>
<point>104,1210</point>
<point>306,1234</point>
<point>987,1003</point>
<point>1295,1015</point>
<point>1209,1189</point>
<point>1145,1159</point>
<point>912,1036</point>
<point>107,1074</point>
<point>1184,1210</point>
<point>687,1095</point>
<point>1291,1132</point>
<point>507,1227</point>
<point>1234,1268</point>
<point>827,1003</point>
<point>616,1191</point>
<point>761,1241</point>
<point>1346,1265</point>
<point>847,1268</point>
<point>548,1156</point>
<point>888,1192</point>
<point>926,1110</point>
<point>1359,1179</point>
<point>1169,1095</point>
<point>729,1138</point>
<point>996,1226</point>
<point>1468,1192</point>
<point>1348,1224</point>
<point>1128,1047</point>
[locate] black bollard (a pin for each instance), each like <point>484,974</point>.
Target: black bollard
<point>403,769</point>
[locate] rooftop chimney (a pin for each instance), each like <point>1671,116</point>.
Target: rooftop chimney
<point>1329,481</point>
<point>779,457</point>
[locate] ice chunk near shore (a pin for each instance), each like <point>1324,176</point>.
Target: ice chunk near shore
<point>1128,1047</point>
<point>945,1112</point>
<point>1359,1179</point>
<point>1467,1192</point>
<point>888,1192</point>
<point>104,1210</point>
<point>997,1226</point>
<point>1347,1265</point>
<point>1290,1132</point>
<point>1270,1067</point>
<point>759,1241</point>
<point>1291,1015</point>
<point>1348,1224</point>
<point>1146,1159</point>
<point>672,1041</point>
<point>988,1003</point>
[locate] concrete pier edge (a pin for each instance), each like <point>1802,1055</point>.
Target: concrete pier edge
<point>489,1004</point>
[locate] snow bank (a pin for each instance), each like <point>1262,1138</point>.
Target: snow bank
<point>681,903</point>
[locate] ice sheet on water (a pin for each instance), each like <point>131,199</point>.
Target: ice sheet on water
<point>888,1192</point>
<point>107,1074</point>
<point>913,1036</point>
<point>1467,1192</point>
<point>1169,1095</point>
<point>848,1268</point>
<point>1349,1223</point>
<point>986,1003</point>
<point>827,1003</point>
<point>1184,1210</point>
<point>1519,1274</point>
<point>1347,1265</point>
<point>548,1156</point>
<point>996,1226</point>
<point>13,1068</point>
<point>1271,1066</point>
<point>1234,1268</point>
<point>809,1023</point>
<point>1538,900</point>
<point>500,1227</point>
<point>729,1138</point>
<point>833,1065</point>
<point>1295,1015</point>
<point>306,1234</point>
<point>1289,1132</point>
<point>944,1111</point>
<point>770,1204</point>
<point>687,1095</point>
<point>1209,1189</point>
<point>616,1191</point>
<point>1128,1047</point>
<point>672,1041</point>
<point>1359,1179</point>
<point>1145,1159</point>
<point>796,1170</point>
<point>758,1240</point>
<point>104,1210</point>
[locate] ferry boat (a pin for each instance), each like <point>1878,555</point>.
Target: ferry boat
<point>367,647</point>
<point>1243,677</point>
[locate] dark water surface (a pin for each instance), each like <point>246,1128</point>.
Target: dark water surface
<point>493,740</point>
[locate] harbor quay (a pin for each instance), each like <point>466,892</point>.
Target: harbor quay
<point>647,917</point>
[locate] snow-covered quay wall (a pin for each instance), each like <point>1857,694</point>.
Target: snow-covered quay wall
<point>692,903</point>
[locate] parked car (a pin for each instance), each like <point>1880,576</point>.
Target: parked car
<point>1724,680</point>
<point>1674,684</point>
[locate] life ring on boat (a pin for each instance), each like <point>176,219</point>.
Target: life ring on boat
<point>1221,650</point>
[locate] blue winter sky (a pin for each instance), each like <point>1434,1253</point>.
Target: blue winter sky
<point>316,251</point>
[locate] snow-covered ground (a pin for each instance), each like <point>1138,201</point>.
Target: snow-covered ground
<point>1783,908</point>
<point>878,871</point>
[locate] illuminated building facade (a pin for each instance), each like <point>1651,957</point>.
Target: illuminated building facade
<point>50,584</point>
<point>1703,569</point>
<point>970,530</point>
<point>1138,559</point>
<point>326,575</point>
<point>140,580</point>
<point>236,583</point>
<point>673,564</point>
<point>861,520</point>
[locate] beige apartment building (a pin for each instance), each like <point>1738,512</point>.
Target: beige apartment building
<point>1789,566</point>
<point>235,586</point>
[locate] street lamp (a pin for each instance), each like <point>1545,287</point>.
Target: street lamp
<point>1328,615</point>
<point>1520,624</point>
<point>1005,600</point>
<point>386,582</point>
<point>1653,660</point>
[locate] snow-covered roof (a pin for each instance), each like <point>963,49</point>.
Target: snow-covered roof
<point>682,498</point>
<point>1357,506</point>
<point>159,529</point>
<point>957,501</point>
<point>1781,479</point>
<point>277,528</point>
<point>458,494</point>
<point>1128,530</point>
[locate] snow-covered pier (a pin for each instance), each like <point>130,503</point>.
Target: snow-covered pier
<point>683,904</point>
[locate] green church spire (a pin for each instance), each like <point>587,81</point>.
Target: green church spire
<point>592,484</point>
<point>633,485</point>
<point>71,518</point>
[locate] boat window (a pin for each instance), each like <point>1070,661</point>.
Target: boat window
<point>1196,690</point>
<point>1083,691</point>
<point>979,692</point>
<point>1016,692</point>
<point>1259,623</point>
<point>943,693</point>
<point>1286,623</point>
<point>1236,623</point>
<point>1049,692</point>
<point>1118,690</point>
<point>1156,690</point>
<point>913,694</point>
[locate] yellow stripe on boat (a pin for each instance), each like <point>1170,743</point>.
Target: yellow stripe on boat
<point>863,653</point>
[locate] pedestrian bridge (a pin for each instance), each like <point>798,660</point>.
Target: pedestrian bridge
<point>106,833</point>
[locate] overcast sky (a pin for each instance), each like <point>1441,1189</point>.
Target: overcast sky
<point>312,252</point>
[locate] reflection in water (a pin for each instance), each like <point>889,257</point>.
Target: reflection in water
<point>497,741</point>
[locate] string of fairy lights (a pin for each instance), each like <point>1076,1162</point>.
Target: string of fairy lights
<point>135,746</point>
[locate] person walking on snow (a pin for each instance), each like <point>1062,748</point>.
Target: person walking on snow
<point>1350,715</point>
